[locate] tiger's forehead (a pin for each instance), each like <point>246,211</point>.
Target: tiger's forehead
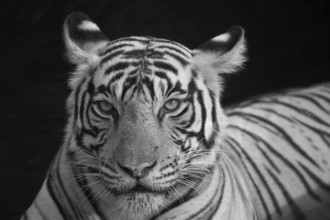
<point>141,49</point>
<point>143,62</point>
<point>147,44</point>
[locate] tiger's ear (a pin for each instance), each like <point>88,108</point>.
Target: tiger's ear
<point>222,54</point>
<point>83,38</point>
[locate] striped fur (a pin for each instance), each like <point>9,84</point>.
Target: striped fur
<point>283,141</point>
<point>147,138</point>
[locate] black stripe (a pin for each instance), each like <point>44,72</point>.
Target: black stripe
<point>40,211</point>
<point>24,217</point>
<point>135,72</point>
<point>208,207</point>
<point>93,129</point>
<point>319,132</point>
<point>322,97</point>
<point>268,158</point>
<point>58,175</point>
<point>135,53</point>
<point>283,159</point>
<point>119,66</point>
<point>203,116</point>
<point>165,66</point>
<point>175,133</point>
<point>175,50</point>
<point>172,43</point>
<point>83,184</point>
<point>184,110</point>
<point>315,178</point>
<point>49,183</point>
<point>82,109</point>
<point>81,101</point>
<point>79,138</point>
<point>110,56</point>
<point>216,126</point>
<point>316,130</point>
<point>185,198</point>
<point>109,167</point>
<point>101,89</point>
<point>76,104</point>
<point>271,162</point>
<point>325,97</point>
<point>181,60</point>
<point>168,82</point>
<point>261,177</point>
<point>135,89</point>
<point>150,85</point>
<point>162,88</point>
<point>300,110</point>
<point>130,81</point>
<point>325,88</point>
<point>176,88</point>
<point>119,46</point>
<point>98,114</point>
<point>115,78</point>
<point>59,178</point>
<point>253,120</point>
<point>176,203</point>
<point>306,97</point>
<point>154,54</point>
<point>163,75</point>
<point>191,90</point>
<point>297,212</point>
<point>283,133</point>
<point>217,206</point>
<point>90,86</point>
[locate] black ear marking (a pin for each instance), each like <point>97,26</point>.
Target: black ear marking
<point>82,30</point>
<point>224,42</point>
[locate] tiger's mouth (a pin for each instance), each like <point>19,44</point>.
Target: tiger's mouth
<point>140,189</point>
<point>141,202</point>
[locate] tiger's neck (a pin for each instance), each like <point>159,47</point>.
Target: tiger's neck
<point>227,197</point>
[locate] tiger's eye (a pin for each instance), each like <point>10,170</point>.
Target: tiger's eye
<point>105,107</point>
<point>172,104</point>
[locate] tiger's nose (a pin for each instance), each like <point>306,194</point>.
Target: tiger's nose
<point>138,170</point>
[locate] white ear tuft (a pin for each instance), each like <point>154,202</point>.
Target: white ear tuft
<point>83,38</point>
<point>222,54</point>
<point>88,26</point>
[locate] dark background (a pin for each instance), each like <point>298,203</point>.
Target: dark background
<point>288,46</point>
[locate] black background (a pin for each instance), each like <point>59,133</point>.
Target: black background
<point>288,46</point>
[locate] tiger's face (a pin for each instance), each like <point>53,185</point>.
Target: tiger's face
<point>145,114</point>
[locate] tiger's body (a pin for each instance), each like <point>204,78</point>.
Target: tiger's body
<point>283,141</point>
<point>147,138</point>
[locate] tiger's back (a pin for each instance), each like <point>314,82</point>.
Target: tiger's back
<point>284,142</point>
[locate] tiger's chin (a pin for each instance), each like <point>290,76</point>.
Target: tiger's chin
<point>136,205</point>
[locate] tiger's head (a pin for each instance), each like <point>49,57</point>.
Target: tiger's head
<point>145,119</point>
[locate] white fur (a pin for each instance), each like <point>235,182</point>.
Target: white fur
<point>223,37</point>
<point>88,26</point>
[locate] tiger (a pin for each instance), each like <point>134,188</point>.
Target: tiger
<point>147,137</point>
